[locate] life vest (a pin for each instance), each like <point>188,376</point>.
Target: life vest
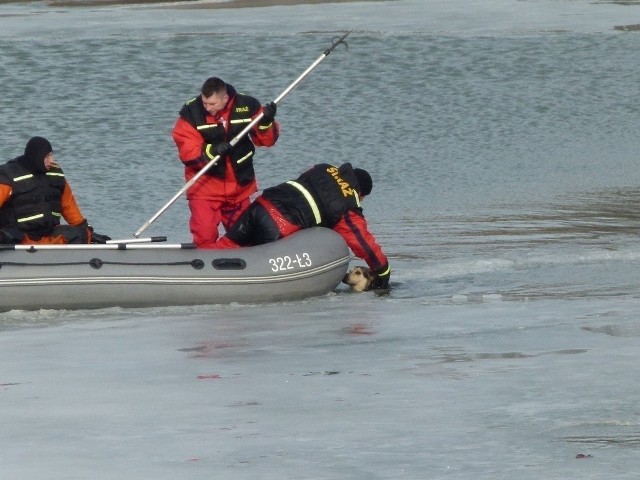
<point>243,108</point>
<point>319,197</point>
<point>35,205</point>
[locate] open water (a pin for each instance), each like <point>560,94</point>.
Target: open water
<point>502,136</point>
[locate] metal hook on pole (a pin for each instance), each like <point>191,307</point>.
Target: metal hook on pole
<point>240,135</point>
<point>337,41</point>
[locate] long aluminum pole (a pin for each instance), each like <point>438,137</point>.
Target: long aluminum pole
<point>239,136</point>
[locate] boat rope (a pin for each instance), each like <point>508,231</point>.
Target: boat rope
<point>24,264</point>
<point>98,263</point>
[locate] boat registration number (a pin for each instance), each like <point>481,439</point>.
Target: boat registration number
<point>300,260</point>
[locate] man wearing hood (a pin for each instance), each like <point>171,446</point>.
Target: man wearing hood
<point>34,195</point>
<point>324,196</point>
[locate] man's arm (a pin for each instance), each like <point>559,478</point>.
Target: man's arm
<point>188,140</point>
<point>5,193</point>
<point>353,228</point>
<point>265,133</point>
<point>70,210</point>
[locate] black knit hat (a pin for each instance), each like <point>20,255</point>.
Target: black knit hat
<point>364,180</point>
<point>33,159</point>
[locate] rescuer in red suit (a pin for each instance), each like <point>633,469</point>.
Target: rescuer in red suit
<point>203,130</point>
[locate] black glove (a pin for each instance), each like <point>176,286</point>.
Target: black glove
<point>11,235</point>
<point>223,149</point>
<point>381,281</point>
<point>97,237</point>
<point>269,111</point>
<point>6,239</point>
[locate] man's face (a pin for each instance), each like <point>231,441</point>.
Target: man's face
<point>215,102</point>
<point>49,161</point>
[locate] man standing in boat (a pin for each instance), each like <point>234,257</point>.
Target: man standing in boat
<point>203,130</point>
<point>324,196</point>
<point>34,195</point>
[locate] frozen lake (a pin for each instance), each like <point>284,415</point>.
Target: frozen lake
<point>502,138</point>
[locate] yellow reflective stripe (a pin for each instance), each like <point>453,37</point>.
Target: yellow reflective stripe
<point>38,216</point>
<point>240,120</point>
<point>23,177</point>
<point>310,200</point>
<point>386,272</point>
<point>207,151</point>
<point>55,174</point>
<point>246,157</point>
<point>264,127</point>
<point>28,219</point>
<point>207,126</point>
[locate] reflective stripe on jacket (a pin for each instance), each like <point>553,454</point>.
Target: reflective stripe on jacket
<point>242,109</point>
<point>324,195</point>
<point>35,204</point>
<point>320,196</point>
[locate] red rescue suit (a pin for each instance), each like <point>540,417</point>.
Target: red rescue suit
<point>222,193</point>
<point>325,196</point>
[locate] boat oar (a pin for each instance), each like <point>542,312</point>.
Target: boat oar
<point>238,137</point>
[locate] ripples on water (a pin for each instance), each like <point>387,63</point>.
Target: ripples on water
<point>489,152</point>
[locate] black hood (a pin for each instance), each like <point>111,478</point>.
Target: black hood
<point>33,159</point>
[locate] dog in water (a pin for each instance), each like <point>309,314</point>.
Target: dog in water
<point>360,279</point>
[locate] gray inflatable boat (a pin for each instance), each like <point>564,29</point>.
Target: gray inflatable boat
<point>309,263</point>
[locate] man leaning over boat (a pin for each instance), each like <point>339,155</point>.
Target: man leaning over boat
<point>325,196</point>
<point>34,196</point>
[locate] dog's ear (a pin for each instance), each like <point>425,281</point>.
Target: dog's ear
<point>368,273</point>
<point>371,277</point>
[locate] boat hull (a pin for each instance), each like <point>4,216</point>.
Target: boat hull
<point>309,263</point>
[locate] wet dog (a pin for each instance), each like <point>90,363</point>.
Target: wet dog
<point>359,279</point>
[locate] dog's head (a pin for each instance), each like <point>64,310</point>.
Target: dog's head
<point>359,279</point>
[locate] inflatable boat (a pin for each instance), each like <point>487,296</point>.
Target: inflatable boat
<point>128,274</point>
